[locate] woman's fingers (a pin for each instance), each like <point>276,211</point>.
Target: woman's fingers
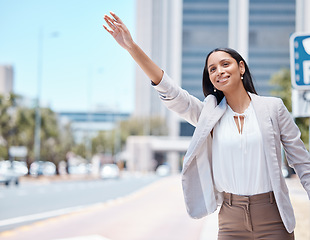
<point>109,21</point>
<point>108,18</point>
<point>112,20</point>
<point>120,26</point>
<point>116,17</point>
<point>109,30</point>
<point>114,24</point>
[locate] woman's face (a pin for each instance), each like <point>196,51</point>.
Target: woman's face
<point>224,72</point>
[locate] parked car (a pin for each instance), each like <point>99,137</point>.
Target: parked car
<point>82,168</point>
<point>11,171</point>
<point>45,168</point>
<point>163,170</point>
<point>109,171</point>
<point>5,180</point>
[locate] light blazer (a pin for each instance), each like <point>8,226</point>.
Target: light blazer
<point>276,125</point>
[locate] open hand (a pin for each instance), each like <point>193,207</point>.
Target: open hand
<point>118,30</point>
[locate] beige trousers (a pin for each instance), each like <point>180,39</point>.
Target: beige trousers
<point>251,217</point>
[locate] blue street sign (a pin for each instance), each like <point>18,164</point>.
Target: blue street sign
<point>300,60</point>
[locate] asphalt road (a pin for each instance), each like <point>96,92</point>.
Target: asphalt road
<point>37,200</point>
<point>155,212</point>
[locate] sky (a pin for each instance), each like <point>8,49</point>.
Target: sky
<point>83,68</point>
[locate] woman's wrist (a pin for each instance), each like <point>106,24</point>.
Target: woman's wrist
<point>132,47</point>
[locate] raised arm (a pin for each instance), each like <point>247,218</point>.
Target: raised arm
<point>122,36</point>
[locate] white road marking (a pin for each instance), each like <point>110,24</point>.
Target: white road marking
<point>39,216</point>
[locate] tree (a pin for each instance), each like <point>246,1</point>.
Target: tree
<point>113,141</point>
<point>282,82</point>
<point>17,124</point>
<point>55,142</point>
<point>154,126</point>
<point>103,142</point>
<point>8,127</point>
<point>80,149</point>
<point>25,122</point>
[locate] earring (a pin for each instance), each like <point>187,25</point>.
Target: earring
<point>214,90</point>
<point>241,77</point>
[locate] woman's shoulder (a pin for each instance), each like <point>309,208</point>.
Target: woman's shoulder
<point>210,97</point>
<point>268,102</point>
<point>210,101</point>
<point>274,105</point>
<point>266,99</point>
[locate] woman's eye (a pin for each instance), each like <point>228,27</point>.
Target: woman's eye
<point>226,64</point>
<point>212,70</point>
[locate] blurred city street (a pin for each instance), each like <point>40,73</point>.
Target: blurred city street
<point>39,198</point>
<point>154,212</point>
<point>88,150</point>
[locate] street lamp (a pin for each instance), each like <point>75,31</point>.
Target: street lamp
<point>37,130</point>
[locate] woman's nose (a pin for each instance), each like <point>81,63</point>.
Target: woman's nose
<point>220,71</point>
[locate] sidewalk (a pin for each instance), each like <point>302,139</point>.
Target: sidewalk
<point>301,205</point>
<point>210,229</point>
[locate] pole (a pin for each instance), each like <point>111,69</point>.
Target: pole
<point>89,118</point>
<point>238,26</point>
<point>37,130</point>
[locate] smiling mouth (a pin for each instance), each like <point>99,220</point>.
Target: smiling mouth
<point>223,79</point>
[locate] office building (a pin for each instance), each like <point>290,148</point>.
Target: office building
<point>270,25</point>
<point>6,79</point>
<point>205,26</point>
<point>88,124</point>
<point>159,34</point>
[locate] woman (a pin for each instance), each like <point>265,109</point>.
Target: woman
<point>234,159</point>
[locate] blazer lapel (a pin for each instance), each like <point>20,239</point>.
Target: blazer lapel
<point>265,124</point>
<point>262,115</point>
<point>207,121</point>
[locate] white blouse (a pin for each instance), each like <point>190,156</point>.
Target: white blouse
<point>238,161</point>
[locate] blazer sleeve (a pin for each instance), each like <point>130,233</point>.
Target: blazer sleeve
<point>297,155</point>
<point>178,100</point>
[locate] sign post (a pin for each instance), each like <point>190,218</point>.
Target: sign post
<point>300,60</point>
<point>18,151</point>
<point>300,75</point>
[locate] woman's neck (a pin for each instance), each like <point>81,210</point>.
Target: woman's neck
<point>238,101</point>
